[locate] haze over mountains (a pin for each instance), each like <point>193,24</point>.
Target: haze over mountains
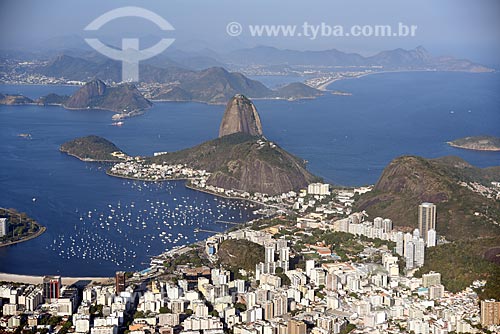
<point>418,58</point>
<point>207,76</point>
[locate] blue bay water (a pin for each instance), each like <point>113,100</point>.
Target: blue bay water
<point>99,224</point>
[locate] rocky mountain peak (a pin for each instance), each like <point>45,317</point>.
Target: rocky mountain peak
<point>240,116</point>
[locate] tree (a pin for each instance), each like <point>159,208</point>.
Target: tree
<point>139,314</point>
<point>165,309</point>
<point>240,307</point>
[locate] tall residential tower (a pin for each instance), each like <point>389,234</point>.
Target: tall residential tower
<point>426,219</point>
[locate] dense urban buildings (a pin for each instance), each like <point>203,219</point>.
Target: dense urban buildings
<point>362,282</point>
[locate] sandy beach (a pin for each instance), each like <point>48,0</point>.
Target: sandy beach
<point>29,279</point>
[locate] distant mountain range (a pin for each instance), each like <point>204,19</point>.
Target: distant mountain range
<point>212,85</point>
<point>176,76</point>
<point>398,59</point>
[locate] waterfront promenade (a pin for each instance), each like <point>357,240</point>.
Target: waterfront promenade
<point>30,279</point>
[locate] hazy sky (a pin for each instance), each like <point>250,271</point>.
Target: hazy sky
<point>463,28</point>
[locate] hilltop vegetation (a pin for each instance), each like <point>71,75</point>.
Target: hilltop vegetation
<point>461,213</point>
<point>244,162</point>
<point>91,148</point>
<point>19,227</point>
<point>236,254</point>
<point>52,99</point>
<point>466,218</point>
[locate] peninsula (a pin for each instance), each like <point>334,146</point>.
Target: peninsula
<point>477,143</point>
<point>93,148</point>
<point>18,227</point>
<point>241,160</point>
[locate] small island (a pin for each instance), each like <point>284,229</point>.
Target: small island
<point>341,93</point>
<point>16,99</point>
<point>93,148</point>
<point>477,143</point>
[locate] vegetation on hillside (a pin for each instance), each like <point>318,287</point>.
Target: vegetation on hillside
<point>52,99</point>
<point>235,254</point>
<point>91,148</point>
<point>409,181</point>
<point>19,226</point>
<point>462,262</point>
<point>238,161</point>
<point>124,98</point>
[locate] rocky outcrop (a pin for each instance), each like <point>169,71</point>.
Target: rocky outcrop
<point>243,162</point>
<point>477,143</point>
<point>95,94</point>
<point>87,95</point>
<point>14,99</point>
<point>240,116</point>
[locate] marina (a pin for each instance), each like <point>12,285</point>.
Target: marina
<point>121,231</point>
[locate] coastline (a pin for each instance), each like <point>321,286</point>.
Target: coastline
<point>39,232</point>
<point>326,84</point>
<point>87,160</point>
<point>497,149</point>
<point>37,279</point>
<point>145,180</point>
<point>323,88</point>
<point>187,185</point>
